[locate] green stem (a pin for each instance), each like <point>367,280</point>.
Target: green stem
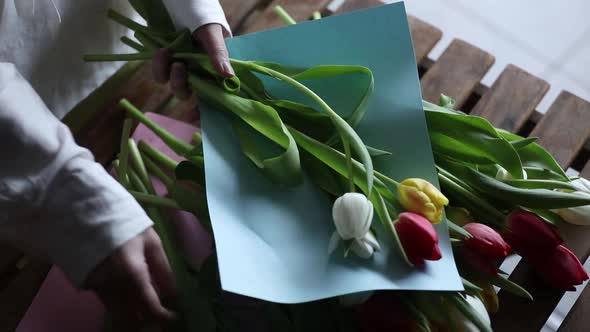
<point>125,21</point>
<point>157,156</point>
<point>154,200</point>
<point>139,166</point>
<point>124,153</point>
<point>177,145</point>
<point>147,41</point>
<point>197,138</point>
<point>348,163</point>
<point>132,43</point>
<point>386,179</point>
<point>316,15</point>
<point>157,171</point>
<point>283,15</point>
<point>119,57</point>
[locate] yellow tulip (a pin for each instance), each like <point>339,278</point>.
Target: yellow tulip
<point>420,196</point>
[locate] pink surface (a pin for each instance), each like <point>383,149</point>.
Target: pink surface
<point>59,307</point>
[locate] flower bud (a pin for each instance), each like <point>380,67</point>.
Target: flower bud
<point>418,237</point>
<point>420,196</point>
<point>353,214</point>
<point>463,323</point>
<point>503,174</point>
<point>579,215</point>
<point>365,247</point>
<point>486,242</point>
<point>561,269</point>
<point>530,235</point>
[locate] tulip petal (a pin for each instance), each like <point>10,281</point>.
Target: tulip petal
<point>334,242</point>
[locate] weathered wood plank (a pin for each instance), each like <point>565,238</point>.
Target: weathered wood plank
<point>352,5</point>
<point>102,134</point>
<point>300,10</point>
<point>564,129</point>
<point>578,319</point>
<point>424,37</point>
<point>237,11</point>
<point>456,73</point>
<point>19,293</point>
<point>512,99</point>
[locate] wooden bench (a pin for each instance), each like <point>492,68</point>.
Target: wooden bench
<point>509,103</point>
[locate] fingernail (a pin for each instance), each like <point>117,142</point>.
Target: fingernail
<point>227,69</point>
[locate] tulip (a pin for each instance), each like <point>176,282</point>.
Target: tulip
<point>579,215</point>
<point>561,269</point>
<point>503,174</point>
<point>418,237</point>
<point>530,235</point>
<point>484,249</point>
<point>353,214</point>
<point>383,312</point>
<point>365,247</point>
<point>485,242</point>
<point>462,323</point>
<point>420,196</point>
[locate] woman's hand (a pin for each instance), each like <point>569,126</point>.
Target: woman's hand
<point>210,36</point>
<point>133,279</point>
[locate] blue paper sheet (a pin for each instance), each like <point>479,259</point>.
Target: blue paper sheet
<point>272,241</point>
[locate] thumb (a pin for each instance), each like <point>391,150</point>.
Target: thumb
<point>211,37</point>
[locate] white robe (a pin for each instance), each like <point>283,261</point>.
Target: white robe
<point>55,201</point>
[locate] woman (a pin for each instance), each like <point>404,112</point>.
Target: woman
<point>55,201</point>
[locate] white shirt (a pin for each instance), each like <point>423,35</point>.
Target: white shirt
<point>55,201</point>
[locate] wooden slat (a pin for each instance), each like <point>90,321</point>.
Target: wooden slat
<point>578,319</point>
<point>237,11</point>
<point>512,99</point>
<point>19,293</point>
<point>565,128</point>
<point>102,134</point>
<point>424,37</point>
<point>456,73</point>
<point>300,10</point>
<point>352,5</point>
<point>585,173</point>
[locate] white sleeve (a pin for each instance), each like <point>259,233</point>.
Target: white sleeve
<point>55,200</point>
<point>193,14</point>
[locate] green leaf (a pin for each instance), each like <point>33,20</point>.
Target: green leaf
<point>509,286</point>
<point>534,155</point>
<point>531,198</point>
<point>471,139</point>
<point>458,229</point>
<point>193,200</point>
<point>322,175</point>
<point>374,152</point>
<point>540,184</point>
<point>284,168</point>
<point>521,143</point>
<point>385,218</point>
<point>155,13</point>
<point>336,160</point>
<point>542,174</point>
<point>470,288</point>
<point>419,317</point>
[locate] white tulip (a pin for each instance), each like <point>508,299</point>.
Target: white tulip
<point>365,247</point>
<point>582,185</point>
<point>463,323</point>
<point>503,174</point>
<point>353,214</point>
<point>579,215</point>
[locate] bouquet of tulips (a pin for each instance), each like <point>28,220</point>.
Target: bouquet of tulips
<point>510,185</point>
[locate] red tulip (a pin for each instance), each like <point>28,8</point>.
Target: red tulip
<point>383,312</point>
<point>561,269</point>
<point>529,234</point>
<point>418,237</point>
<point>486,242</point>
